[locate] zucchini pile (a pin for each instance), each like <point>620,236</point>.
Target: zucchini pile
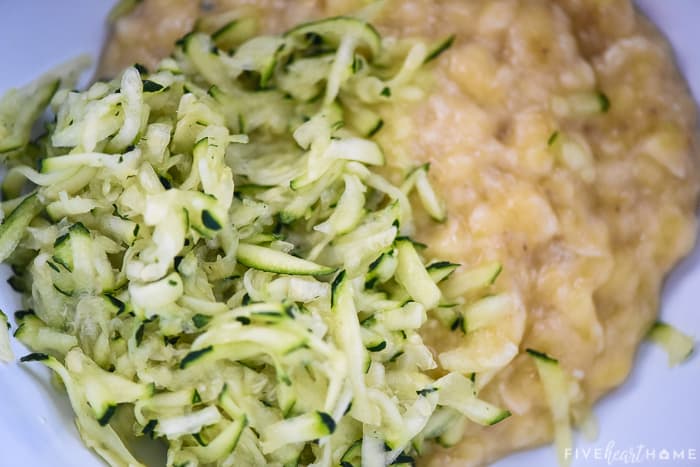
<point>209,252</point>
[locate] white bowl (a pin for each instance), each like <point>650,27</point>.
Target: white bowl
<point>652,415</point>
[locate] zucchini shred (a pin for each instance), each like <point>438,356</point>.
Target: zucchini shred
<point>208,252</point>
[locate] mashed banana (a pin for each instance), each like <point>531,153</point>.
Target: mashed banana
<point>562,138</point>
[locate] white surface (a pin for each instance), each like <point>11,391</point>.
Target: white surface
<point>656,408</point>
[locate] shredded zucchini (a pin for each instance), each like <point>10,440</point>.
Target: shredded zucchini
<point>6,354</point>
<point>678,346</point>
<point>210,248</point>
<point>557,389</point>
